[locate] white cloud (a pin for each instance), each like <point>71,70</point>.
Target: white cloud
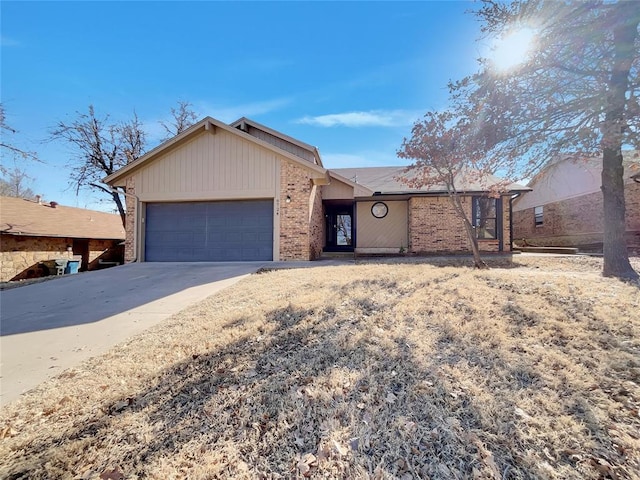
<point>8,42</point>
<point>371,118</point>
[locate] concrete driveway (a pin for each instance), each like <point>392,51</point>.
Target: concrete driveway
<point>48,327</point>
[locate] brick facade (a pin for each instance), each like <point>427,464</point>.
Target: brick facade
<point>434,227</point>
<point>21,256</point>
<point>576,221</point>
<point>130,253</point>
<point>301,219</point>
<point>506,223</point>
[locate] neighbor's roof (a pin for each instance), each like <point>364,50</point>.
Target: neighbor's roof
<point>386,181</point>
<point>593,163</point>
<point>26,217</point>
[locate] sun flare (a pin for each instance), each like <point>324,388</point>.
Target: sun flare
<point>512,49</point>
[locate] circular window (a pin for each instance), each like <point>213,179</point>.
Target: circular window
<point>379,210</point>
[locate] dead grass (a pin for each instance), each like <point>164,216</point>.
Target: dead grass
<point>378,370</point>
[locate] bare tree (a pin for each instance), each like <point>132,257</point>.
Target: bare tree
<point>100,149</point>
<point>576,93</point>
<point>13,184</point>
<point>182,117</point>
<point>445,154</point>
<point>6,146</point>
<point>343,225</point>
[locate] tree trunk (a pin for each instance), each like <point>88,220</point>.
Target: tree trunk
<point>121,211</point>
<point>471,234</point>
<point>616,257</point>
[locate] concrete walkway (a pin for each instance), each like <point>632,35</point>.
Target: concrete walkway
<point>51,326</point>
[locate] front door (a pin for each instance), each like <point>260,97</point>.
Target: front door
<point>339,228</point>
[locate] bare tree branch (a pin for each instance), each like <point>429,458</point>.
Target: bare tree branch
<point>4,145</point>
<point>101,148</point>
<point>576,93</point>
<point>182,117</point>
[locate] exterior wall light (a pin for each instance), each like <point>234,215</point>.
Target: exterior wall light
<point>288,199</point>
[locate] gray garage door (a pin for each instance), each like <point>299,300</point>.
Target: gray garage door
<point>209,231</point>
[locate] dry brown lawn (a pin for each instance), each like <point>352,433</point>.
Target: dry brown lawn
<point>376,370</point>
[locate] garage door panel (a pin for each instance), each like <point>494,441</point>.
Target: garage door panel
<point>188,221</point>
<point>209,231</point>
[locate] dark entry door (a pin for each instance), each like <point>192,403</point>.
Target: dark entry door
<point>339,228</point>
<point>81,247</point>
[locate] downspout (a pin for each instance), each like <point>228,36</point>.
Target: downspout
<point>135,223</point>
<point>511,199</point>
<point>354,230</point>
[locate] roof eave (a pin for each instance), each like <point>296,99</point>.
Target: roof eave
<point>206,123</point>
<point>434,193</point>
<point>351,183</point>
<point>90,237</point>
<point>276,133</point>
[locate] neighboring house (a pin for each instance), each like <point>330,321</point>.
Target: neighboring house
<point>33,233</point>
<point>243,191</point>
<point>565,208</point>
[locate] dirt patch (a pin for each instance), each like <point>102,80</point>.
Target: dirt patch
<point>376,370</point>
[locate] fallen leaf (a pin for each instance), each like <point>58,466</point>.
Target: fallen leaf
<point>391,398</point>
<point>304,469</point>
<point>114,474</point>
<point>48,411</point>
<point>340,448</point>
<point>305,463</point>
<point>604,467</point>
<point>522,414</point>
<point>8,432</point>
<point>309,459</point>
<point>323,452</point>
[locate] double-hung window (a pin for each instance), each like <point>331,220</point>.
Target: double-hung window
<point>538,213</point>
<point>485,217</point>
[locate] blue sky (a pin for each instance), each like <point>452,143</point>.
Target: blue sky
<point>348,77</point>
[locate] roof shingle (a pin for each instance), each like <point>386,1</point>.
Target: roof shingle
<point>25,217</point>
<point>385,180</point>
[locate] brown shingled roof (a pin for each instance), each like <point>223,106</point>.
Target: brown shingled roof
<point>26,217</point>
<point>385,180</point>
